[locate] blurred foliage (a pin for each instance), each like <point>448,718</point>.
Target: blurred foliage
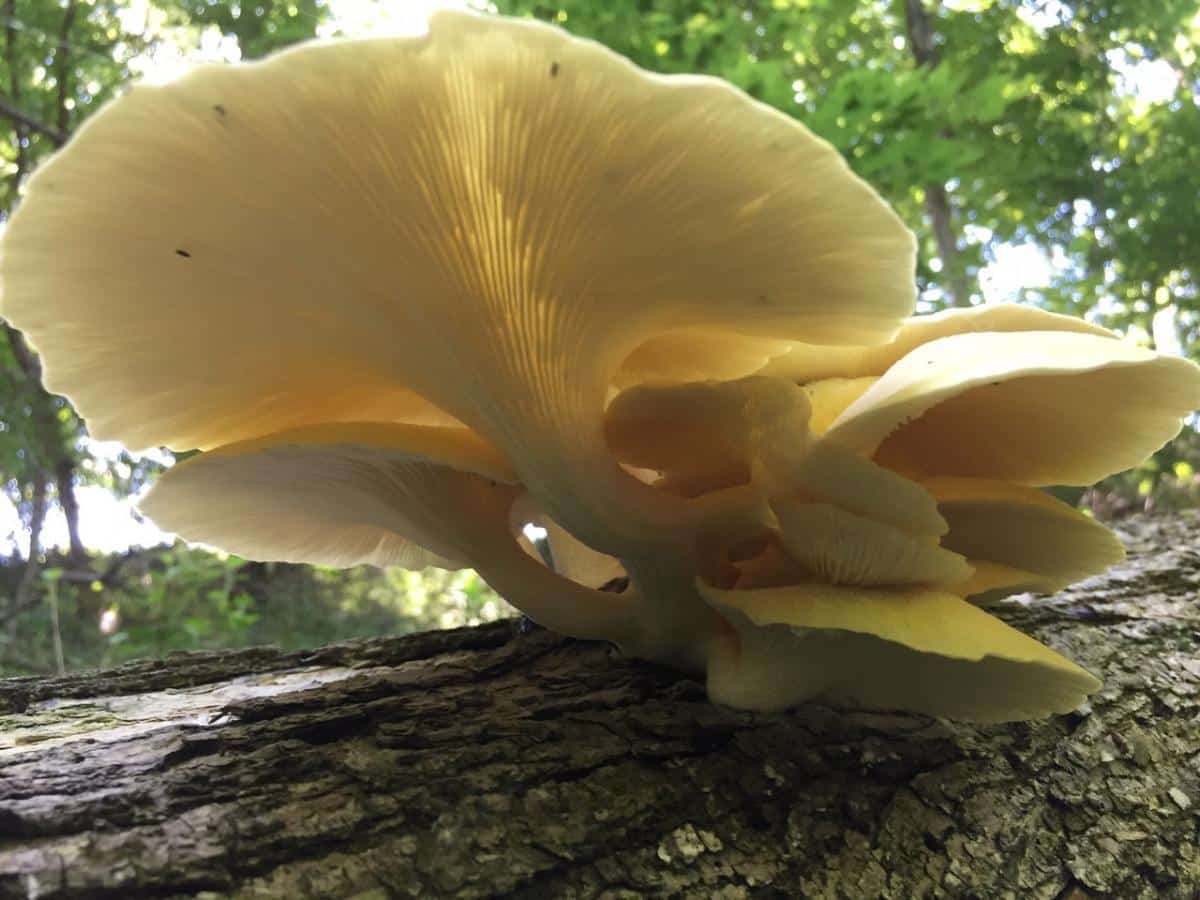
<point>258,26</point>
<point>986,123</point>
<point>150,603</point>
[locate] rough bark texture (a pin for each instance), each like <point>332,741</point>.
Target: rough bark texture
<point>482,762</point>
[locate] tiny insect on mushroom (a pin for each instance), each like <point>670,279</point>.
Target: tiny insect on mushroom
<point>501,299</point>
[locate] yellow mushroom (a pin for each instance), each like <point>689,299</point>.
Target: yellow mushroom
<point>877,534</point>
<point>1018,538</point>
<point>1035,407</point>
<point>915,649</point>
<point>842,548</point>
<point>410,295</point>
<point>482,223</point>
<point>807,363</point>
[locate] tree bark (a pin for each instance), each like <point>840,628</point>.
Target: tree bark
<point>484,762</point>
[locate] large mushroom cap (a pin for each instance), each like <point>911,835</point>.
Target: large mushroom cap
<point>484,221</point>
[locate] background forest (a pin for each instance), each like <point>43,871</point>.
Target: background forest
<point>1043,151</point>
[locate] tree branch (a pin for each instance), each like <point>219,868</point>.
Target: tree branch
<point>27,361</point>
<point>919,30</point>
<point>9,111</point>
<point>62,65</point>
<point>14,80</point>
<point>25,596</point>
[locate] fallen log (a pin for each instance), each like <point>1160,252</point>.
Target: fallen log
<point>484,762</point>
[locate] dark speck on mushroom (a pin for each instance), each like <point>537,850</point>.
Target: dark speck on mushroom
<point>554,69</point>
<point>183,253</point>
<point>219,110</point>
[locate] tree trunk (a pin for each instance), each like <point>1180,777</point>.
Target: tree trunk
<point>483,762</point>
<point>918,28</point>
<point>24,597</point>
<point>64,484</point>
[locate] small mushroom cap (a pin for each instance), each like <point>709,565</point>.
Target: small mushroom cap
<point>760,426</point>
<point>831,473</point>
<point>694,355</point>
<point>807,362</point>
<point>917,649</point>
<point>1032,541</point>
<point>1035,408</point>
<point>842,548</point>
<point>709,426</point>
<point>379,494</point>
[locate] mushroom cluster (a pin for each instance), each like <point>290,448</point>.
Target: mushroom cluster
<point>410,295</point>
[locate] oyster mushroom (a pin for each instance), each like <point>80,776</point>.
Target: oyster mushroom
<point>906,492</point>
<point>408,294</point>
<point>478,226</point>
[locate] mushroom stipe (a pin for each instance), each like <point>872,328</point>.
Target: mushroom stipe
<point>660,320</point>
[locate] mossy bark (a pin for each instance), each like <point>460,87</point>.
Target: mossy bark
<point>482,762</point>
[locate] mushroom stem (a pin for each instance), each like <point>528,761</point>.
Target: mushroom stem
<point>611,511</point>
<point>556,602</point>
<point>674,625</point>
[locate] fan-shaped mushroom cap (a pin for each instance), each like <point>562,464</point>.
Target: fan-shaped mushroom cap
<point>1021,538</point>
<point>831,473</point>
<point>1034,408</point>
<point>381,494</point>
<point>378,494</point>
<point>493,216</point>
<point>915,649</point>
<point>807,362</point>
